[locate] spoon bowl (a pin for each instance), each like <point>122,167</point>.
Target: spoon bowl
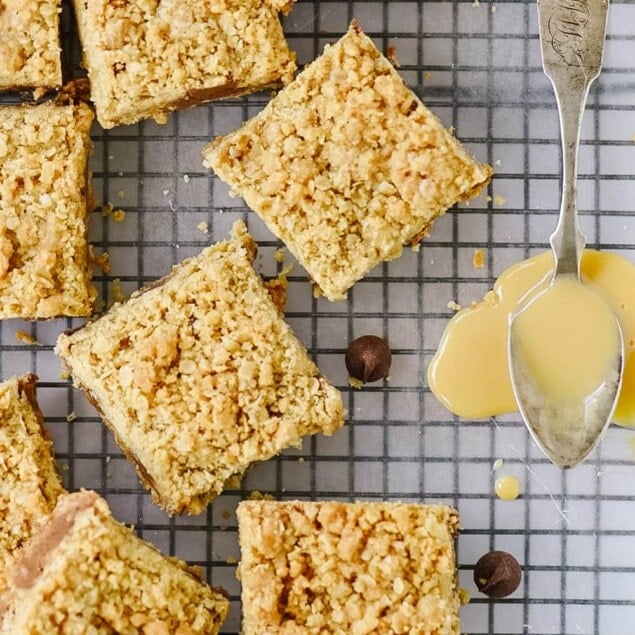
<point>566,411</point>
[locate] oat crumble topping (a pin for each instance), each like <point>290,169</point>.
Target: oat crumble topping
<point>146,58</point>
<point>29,481</point>
<point>348,568</point>
<point>45,268</point>
<point>346,165</point>
<point>29,44</point>
<point>101,578</point>
<point>199,376</point>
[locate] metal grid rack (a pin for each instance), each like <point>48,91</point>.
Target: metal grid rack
<point>478,68</point>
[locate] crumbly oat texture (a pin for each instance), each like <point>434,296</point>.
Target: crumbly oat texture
<point>348,568</point>
<point>146,58</point>
<point>30,44</point>
<point>346,165</point>
<point>199,376</point>
<point>86,573</point>
<point>45,269</point>
<point>29,482</point>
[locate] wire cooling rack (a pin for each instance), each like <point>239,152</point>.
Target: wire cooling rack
<point>477,66</point>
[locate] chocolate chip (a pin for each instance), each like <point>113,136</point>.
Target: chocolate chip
<point>368,358</point>
<point>497,574</point>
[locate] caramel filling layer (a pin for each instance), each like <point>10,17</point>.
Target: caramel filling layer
<point>40,550</point>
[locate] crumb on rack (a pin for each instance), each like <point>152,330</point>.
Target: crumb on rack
<point>259,496</point>
<point>391,54</point>
<point>455,306</point>
<point>106,210</point>
<point>498,163</point>
<point>277,288</point>
<point>38,93</point>
<point>478,259</point>
<point>231,560</point>
<point>233,482</point>
<point>476,3</point>
<point>117,294</point>
<point>25,338</point>
<point>203,226</point>
<point>355,383</point>
<point>166,192</point>
<point>499,200</point>
<point>464,594</point>
<point>102,261</point>
<point>119,216</point>
<point>121,194</point>
<point>278,254</point>
<point>498,464</point>
<point>71,416</point>
<point>186,178</point>
<point>427,75</point>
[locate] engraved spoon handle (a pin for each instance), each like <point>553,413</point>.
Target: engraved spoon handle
<point>572,35</point>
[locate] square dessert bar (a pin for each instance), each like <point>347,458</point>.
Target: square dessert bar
<point>86,573</point>
<point>348,568</point>
<point>346,165</point>
<point>45,264</point>
<point>30,44</point>
<point>199,376</point>
<point>29,481</point>
<point>146,58</point>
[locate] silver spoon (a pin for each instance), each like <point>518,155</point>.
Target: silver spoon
<point>572,35</point>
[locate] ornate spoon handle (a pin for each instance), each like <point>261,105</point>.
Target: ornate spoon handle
<point>572,34</point>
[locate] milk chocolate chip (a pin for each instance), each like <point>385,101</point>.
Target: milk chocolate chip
<point>497,574</point>
<point>368,358</point>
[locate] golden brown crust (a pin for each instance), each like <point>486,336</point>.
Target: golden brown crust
<point>198,376</point>
<point>346,165</point>
<point>147,58</point>
<point>45,268</point>
<point>85,572</point>
<point>29,44</point>
<point>29,480</point>
<point>348,568</point>
<point>142,473</point>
